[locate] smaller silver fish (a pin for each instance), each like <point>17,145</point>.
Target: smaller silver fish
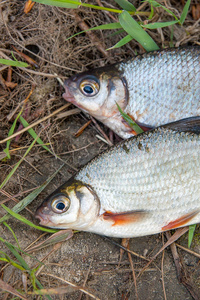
<point>153,89</point>
<point>145,185</point>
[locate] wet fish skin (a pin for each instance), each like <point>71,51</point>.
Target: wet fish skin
<point>154,89</point>
<point>145,185</point>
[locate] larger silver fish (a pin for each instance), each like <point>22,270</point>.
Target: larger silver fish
<point>144,185</point>
<point>153,89</point>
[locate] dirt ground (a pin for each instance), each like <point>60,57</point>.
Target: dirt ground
<point>87,260</point>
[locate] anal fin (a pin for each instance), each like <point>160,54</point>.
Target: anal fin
<point>180,221</point>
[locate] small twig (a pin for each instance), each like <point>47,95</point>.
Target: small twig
<point>36,123</point>
<point>56,247</point>
<point>36,55</point>
<point>107,12</point>
<point>72,284</point>
<point>86,278</point>
<point>7,287</point>
<point>68,113</point>
<point>14,199</point>
<point>101,131</point>
<point>28,162</point>
<point>29,246</point>
<point>59,80</point>
<point>134,277</point>
<point>40,73</point>
<point>2,82</point>
<point>80,131</point>
<point>78,149</point>
<point>3,68</point>
<point>17,195</point>
<point>95,40</point>
<point>124,243</point>
<point>188,250</point>
<point>102,139</point>
<point>125,249</point>
<point>176,258</point>
<point>175,236</point>
<point>162,270</point>
<point>121,271</point>
<point>181,271</point>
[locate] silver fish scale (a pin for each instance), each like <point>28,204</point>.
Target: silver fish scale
<point>160,82</point>
<point>158,172</point>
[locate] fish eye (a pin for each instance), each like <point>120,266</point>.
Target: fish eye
<point>60,204</point>
<point>89,87</point>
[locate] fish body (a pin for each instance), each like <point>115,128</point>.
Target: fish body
<point>153,89</point>
<point>145,185</point>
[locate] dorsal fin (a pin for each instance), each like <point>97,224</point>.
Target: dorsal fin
<point>185,125</point>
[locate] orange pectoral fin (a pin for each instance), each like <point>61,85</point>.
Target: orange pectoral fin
<point>180,221</point>
<point>124,217</point>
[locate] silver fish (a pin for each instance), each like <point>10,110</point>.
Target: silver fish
<point>153,89</point>
<point>145,185</point>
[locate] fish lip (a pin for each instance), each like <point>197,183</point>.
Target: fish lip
<point>44,220</point>
<point>67,95</point>
<point>70,98</point>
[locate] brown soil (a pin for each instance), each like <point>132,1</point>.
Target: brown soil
<point>85,256</point>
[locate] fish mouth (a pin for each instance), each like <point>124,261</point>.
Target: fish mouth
<point>44,220</point>
<point>67,95</point>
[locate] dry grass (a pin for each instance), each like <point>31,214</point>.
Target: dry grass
<point>45,30</point>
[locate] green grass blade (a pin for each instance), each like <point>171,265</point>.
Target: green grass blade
<point>20,250</point>
<point>110,26</point>
<point>28,199</point>
<point>191,234</point>
<point>131,123</point>
<point>122,42</point>
<point>185,11</point>
<point>10,133</point>
<point>25,266</point>
<point>17,165</point>
<point>152,13</point>
<point>4,257</point>
<point>27,222</point>
<point>136,31</point>
<point>126,5</point>
<point>18,256</point>
<point>116,33</point>
<point>9,260</point>
<point>156,4</point>
<point>13,63</point>
<point>159,24</point>
<point>33,134</point>
<point>4,223</point>
<point>66,3</point>
<point>41,287</point>
<point>60,3</point>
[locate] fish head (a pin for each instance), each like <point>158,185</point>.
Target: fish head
<point>97,92</point>
<point>74,205</point>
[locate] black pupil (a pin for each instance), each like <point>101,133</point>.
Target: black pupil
<point>60,205</point>
<point>88,89</point>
